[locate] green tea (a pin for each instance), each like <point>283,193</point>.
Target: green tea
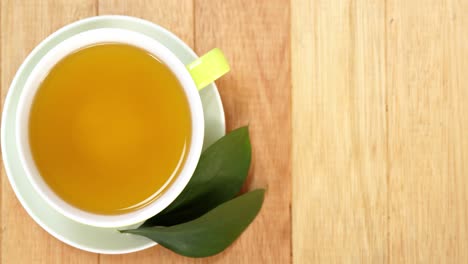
<point>109,128</point>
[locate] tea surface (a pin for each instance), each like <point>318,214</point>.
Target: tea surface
<point>109,128</point>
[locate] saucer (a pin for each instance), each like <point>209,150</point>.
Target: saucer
<point>93,239</point>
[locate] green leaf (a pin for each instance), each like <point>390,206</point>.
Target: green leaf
<point>219,176</point>
<point>210,233</point>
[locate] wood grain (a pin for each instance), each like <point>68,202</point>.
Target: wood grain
<point>23,25</point>
<point>428,150</point>
<point>176,16</point>
<point>339,132</point>
<point>255,37</point>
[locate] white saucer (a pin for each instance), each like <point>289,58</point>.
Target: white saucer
<point>93,239</point>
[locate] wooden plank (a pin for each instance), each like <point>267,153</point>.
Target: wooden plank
<point>427,65</point>
<point>176,16</point>
<point>255,37</point>
<point>274,238</point>
<point>23,25</point>
<point>339,132</point>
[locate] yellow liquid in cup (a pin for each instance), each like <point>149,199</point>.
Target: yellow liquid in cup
<point>109,128</point>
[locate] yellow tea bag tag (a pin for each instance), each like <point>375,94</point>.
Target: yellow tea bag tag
<point>208,68</point>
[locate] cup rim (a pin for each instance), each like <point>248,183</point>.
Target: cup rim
<point>39,73</point>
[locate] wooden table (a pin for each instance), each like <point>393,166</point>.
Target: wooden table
<point>357,112</point>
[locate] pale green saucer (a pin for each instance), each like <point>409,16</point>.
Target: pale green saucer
<point>98,240</point>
